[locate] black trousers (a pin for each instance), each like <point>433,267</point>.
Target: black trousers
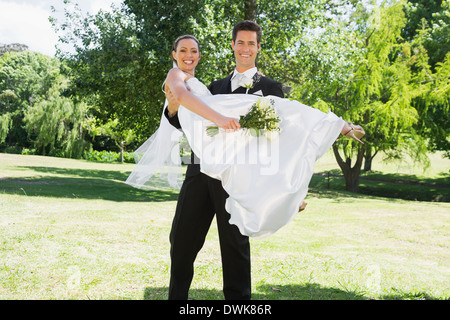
<point>200,198</point>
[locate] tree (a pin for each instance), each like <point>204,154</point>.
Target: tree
<point>121,138</point>
<point>7,98</point>
<point>375,87</point>
<point>109,70</point>
<point>429,23</point>
<point>58,123</point>
<point>433,17</point>
<point>32,110</point>
<point>25,77</point>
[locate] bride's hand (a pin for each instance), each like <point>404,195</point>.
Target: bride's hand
<point>228,123</point>
<point>173,103</point>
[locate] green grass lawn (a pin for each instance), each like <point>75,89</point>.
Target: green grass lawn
<point>71,229</point>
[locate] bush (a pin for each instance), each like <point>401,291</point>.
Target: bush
<point>107,156</point>
<point>12,149</point>
<point>27,151</point>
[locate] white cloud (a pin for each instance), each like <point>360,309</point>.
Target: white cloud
<point>26,21</point>
<point>27,24</point>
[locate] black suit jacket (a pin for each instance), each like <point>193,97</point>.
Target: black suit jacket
<point>223,86</point>
<point>266,85</point>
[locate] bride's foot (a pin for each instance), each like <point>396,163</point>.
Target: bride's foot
<point>302,207</point>
<point>354,131</point>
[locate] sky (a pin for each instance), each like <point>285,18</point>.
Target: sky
<point>26,21</point>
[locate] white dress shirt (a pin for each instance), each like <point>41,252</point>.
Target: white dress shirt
<point>249,74</point>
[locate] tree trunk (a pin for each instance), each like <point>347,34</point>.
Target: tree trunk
<point>368,157</point>
<point>351,174</point>
<point>250,10</point>
<point>122,148</point>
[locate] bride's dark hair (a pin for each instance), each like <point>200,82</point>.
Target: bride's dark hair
<point>177,40</point>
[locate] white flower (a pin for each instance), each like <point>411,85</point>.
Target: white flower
<point>246,82</point>
<point>263,102</point>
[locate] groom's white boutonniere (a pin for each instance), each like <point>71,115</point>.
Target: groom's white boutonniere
<point>246,83</point>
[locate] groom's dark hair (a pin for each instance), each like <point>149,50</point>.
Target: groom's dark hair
<point>247,25</point>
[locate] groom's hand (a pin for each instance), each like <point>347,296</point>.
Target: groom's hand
<point>172,103</point>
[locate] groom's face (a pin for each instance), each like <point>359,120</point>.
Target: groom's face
<point>245,49</point>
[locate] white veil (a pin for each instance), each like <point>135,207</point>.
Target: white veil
<point>158,160</point>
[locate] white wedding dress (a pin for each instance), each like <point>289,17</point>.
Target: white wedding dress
<point>266,177</point>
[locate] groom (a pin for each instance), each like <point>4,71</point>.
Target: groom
<point>202,196</point>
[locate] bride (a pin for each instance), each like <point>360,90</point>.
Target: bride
<point>266,176</point>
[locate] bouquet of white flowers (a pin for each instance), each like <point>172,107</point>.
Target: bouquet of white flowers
<point>261,118</point>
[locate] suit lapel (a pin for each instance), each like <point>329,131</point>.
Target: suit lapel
<point>226,85</point>
<point>256,83</point>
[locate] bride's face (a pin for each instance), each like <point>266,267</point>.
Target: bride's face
<point>245,49</point>
<point>187,55</point>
